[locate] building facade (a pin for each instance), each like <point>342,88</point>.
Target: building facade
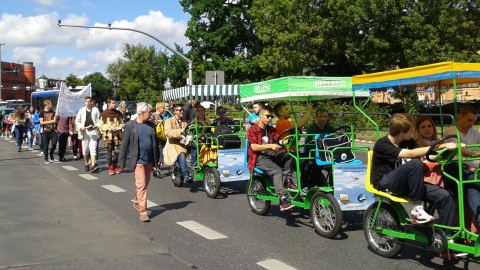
<point>17,80</point>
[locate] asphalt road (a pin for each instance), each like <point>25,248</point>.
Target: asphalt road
<point>58,217</point>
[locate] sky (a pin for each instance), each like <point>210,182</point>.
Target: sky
<point>30,32</point>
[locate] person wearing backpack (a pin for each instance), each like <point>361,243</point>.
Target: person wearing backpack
<point>111,126</point>
<point>161,115</point>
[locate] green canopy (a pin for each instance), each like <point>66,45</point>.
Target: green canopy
<point>300,88</point>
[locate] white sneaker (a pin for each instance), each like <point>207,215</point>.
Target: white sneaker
<point>30,149</point>
<point>419,215</point>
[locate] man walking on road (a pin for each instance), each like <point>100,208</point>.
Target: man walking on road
<point>140,152</point>
<point>111,125</point>
<point>87,124</point>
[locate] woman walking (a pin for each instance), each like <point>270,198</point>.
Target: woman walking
<point>19,119</point>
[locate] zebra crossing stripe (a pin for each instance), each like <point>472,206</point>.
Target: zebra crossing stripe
<point>70,168</point>
<point>88,176</point>
<point>201,230</point>
<point>272,264</point>
<point>113,188</point>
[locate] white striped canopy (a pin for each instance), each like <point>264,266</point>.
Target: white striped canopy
<point>201,92</point>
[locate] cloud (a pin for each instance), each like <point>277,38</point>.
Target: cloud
<point>58,51</point>
<point>155,23</point>
<point>48,3</point>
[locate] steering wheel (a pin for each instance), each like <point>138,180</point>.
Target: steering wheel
<point>344,128</point>
<point>190,129</point>
<point>442,154</point>
<point>286,142</point>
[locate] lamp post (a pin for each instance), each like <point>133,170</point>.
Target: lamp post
<point>183,57</point>
<point>1,44</point>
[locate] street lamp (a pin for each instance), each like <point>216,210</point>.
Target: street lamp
<point>190,65</point>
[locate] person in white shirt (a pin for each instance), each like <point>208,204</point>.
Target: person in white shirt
<point>467,116</point>
<point>86,123</point>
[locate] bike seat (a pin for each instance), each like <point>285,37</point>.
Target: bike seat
<point>370,188</point>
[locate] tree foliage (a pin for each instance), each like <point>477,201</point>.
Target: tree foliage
<point>99,83</point>
<point>255,40</point>
<point>141,73</point>
<point>222,37</point>
<point>73,81</point>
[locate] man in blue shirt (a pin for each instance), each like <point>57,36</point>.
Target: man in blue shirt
<point>140,153</point>
<point>255,116</point>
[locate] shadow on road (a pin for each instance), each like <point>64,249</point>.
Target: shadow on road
<point>157,210</point>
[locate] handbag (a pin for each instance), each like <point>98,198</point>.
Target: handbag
<point>331,142</point>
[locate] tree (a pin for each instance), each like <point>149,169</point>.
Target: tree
<point>73,81</point>
<point>100,83</point>
<point>177,69</point>
<point>141,73</point>
<point>222,37</point>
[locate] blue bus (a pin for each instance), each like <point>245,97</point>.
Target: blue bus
<point>40,96</point>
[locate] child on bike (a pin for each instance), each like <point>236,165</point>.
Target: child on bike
<point>397,170</point>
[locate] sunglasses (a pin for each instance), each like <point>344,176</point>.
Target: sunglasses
<point>222,112</point>
<point>269,116</point>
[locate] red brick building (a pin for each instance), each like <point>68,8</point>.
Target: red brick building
<point>19,85</point>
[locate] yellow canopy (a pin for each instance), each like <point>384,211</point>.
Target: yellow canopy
<point>439,73</point>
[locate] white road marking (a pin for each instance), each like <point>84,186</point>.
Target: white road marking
<point>33,151</point>
<point>113,188</point>
<point>201,230</point>
<point>152,204</point>
<point>88,176</point>
<point>13,141</point>
<point>40,155</point>
<point>70,168</point>
<point>275,265</point>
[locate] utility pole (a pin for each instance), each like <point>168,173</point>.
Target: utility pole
<point>1,44</point>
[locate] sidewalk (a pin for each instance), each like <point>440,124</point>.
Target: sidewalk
<point>46,223</point>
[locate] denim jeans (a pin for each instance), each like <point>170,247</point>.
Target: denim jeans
<point>30,137</point>
<point>193,154</point>
<point>471,191</point>
<point>444,202</point>
<point>19,131</point>
<point>47,138</point>
<point>40,140</point>
<point>406,180</point>
<point>182,162</point>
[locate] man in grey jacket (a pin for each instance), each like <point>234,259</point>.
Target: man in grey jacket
<point>139,153</point>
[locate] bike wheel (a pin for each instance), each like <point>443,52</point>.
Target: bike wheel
<point>326,214</point>
<point>177,179</point>
<point>257,187</point>
<point>383,245</point>
<point>211,182</point>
